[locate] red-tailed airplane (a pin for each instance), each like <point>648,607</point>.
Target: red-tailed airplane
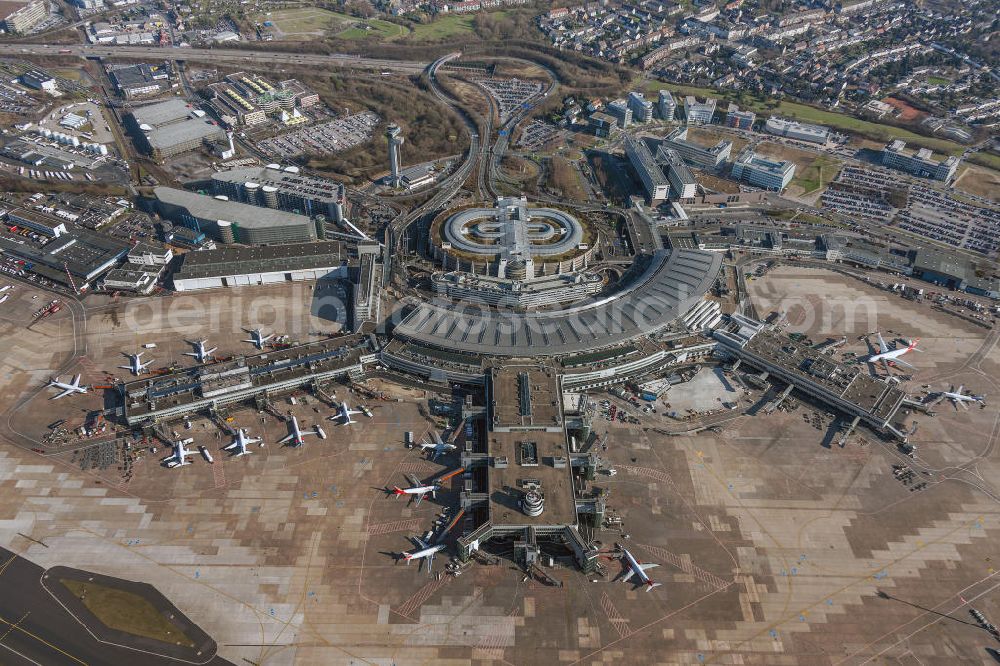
<point>416,489</point>
<point>892,356</point>
<point>639,570</point>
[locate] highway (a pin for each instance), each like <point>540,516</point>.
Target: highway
<point>246,58</point>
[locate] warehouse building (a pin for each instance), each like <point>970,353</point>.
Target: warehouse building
<point>75,259</point>
<point>234,222</point>
<point>693,153</point>
<point>919,163</point>
<point>759,171</point>
<point>245,266</point>
<point>283,188</point>
<point>649,172</point>
<point>795,130</point>
<point>141,80</point>
<point>172,127</point>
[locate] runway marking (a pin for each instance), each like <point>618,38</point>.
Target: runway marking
<point>397,526</point>
<point>41,640</point>
<point>490,646</point>
<point>656,474</point>
<point>420,596</point>
<point>423,466</point>
<point>219,472</point>
<point>618,621</point>
<point>686,566</point>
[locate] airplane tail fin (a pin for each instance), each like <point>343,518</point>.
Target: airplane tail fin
<point>397,491</point>
<point>650,585</point>
<point>912,346</point>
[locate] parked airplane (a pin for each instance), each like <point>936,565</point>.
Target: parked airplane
<point>3,299</point>
<point>135,366</point>
<point>67,389</point>
<point>958,397</point>
<point>240,442</point>
<point>344,414</point>
<point>424,551</point>
<point>179,457</point>
<point>295,437</point>
<point>892,356</point>
<point>639,570</point>
<point>437,447</point>
<point>4,288</point>
<point>416,489</point>
<point>200,352</point>
<point>257,339</point>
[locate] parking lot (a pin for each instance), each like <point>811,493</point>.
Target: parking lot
<point>325,138</point>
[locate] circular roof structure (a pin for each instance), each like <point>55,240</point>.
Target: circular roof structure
<point>512,230</point>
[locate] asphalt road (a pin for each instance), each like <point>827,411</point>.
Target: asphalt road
<point>35,629</point>
<point>245,57</point>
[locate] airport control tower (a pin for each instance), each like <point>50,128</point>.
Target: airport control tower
<point>392,133</point>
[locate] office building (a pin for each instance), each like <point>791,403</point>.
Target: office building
<point>285,188</point>
<point>795,130</point>
<point>621,112</point>
<point>172,127</point>
<point>20,17</point>
<point>694,154</point>
<point>667,104</point>
<point>43,224</point>
<point>642,109</point>
<point>699,113</point>
<point>602,124</point>
<point>740,119</point>
<point>682,182</point>
<point>234,222</point>
<point>919,163</point>
<point>639,156</point>
<point>762,172</point>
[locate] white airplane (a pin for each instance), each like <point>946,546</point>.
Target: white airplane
<point>892,356</point>
<point>240,442</point>
<point>67,389</point>
<point>344,414</point>
<point>295,437</point>
<point>4,288</point>
<point>135,365</point>
<point>424,551</point>
<point>639,570</point>
<point>200,352</point>
<point>437,447</point>
<point>258,339</point>
<point>179,457</point>
<point>958,397</point>
<point>416,489</point>
<point>3,299</point>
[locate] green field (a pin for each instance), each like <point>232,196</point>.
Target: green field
<point>937,81</point>
<point>809,114</point>
<point>126,611</point>
<point>818,174</point>
<point>985,159</point>
<point>305,22</point>
<point>444,27</point>
<point>373,28</point>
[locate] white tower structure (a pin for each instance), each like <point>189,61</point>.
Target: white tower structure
<point>392,133</point>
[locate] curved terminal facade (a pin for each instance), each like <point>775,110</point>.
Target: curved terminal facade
<point>670,283</point>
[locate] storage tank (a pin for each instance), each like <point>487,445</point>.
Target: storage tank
<point>226,231</point>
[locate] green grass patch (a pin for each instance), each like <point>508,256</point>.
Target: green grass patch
<point>374,29</point>
<point>818,174</point>
<point>937,81</point>
<point>809,114</point>
<point>443,27</point>
<point>985,159</point>
<point>126,611</point>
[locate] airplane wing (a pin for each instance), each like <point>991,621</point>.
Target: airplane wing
<point>412,479</point>
<point>883,348</point>
<point>418,500</point>
<point>287,439</point>
<point>898,361</point>
<point>648,566</point>
<point>628,574</point>
<point>420,542</point>
<point>125,367</point>
<point>437,439</point>
<point>430,562</point>
<point>62,395</point>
